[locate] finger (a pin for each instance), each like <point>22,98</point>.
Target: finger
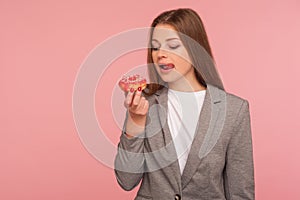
<point>145,108</point>
<point>137,98</point>
<point>128,99</point>
<point>141,104</point>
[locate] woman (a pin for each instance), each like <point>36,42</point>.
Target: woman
<point>184,137</point>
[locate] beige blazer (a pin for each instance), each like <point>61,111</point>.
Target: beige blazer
<point>220,162</point>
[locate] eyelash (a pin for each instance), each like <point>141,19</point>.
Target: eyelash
<point>175,47</point>
<point>156,49</point>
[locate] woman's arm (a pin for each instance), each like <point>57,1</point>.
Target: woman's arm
<point>239,169</point>
<point>129,161</point>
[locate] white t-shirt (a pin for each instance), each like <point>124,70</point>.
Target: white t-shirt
<point>183,115</point>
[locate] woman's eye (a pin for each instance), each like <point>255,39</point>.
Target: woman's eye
<point>173,44</point>
<point>174,47</point>
<point>155,46</point>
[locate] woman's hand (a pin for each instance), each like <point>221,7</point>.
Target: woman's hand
<point>138,107</point>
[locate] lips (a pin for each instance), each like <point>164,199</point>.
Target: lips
<point>166,66</point>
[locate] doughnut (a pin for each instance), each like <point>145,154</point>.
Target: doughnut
<point>133,81</point>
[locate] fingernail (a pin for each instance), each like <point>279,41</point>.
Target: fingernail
<point>131,90</point>
<point>139,88</point>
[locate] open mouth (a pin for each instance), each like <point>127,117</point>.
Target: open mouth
<point>166,66</point>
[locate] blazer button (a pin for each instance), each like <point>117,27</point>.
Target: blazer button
<point>177,197</point>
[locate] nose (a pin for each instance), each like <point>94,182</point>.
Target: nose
<point>161,53</point>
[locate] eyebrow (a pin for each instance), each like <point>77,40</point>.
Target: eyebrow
<point>166,39</point>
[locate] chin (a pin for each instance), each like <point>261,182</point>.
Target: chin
<point>170,78</point>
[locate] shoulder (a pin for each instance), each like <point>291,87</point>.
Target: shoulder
<point>234,100</point>
<point>237,108</point>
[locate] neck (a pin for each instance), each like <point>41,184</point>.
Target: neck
<point>186,84</point>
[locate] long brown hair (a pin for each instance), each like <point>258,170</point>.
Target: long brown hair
<point>191,31</point>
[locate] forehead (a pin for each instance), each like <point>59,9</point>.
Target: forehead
<point>164,31</point>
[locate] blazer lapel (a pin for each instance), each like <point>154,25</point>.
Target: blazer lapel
<point>162,100</point>
<point>208,130</point>
<point>169,152</point>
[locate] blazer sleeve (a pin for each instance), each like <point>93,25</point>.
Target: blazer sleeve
<point>129,161</point>
<point>239,168</point>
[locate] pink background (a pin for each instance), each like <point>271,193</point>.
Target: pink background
<point>43,43</point>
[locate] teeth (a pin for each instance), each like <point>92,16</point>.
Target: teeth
<point>165,66</point>
<point>162,66</point>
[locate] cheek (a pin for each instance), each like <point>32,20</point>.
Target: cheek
<point>183,56</point>
<point>184,67</point>
<point>182,61</point>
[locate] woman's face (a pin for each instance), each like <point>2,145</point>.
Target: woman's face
<point>170,57</point>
